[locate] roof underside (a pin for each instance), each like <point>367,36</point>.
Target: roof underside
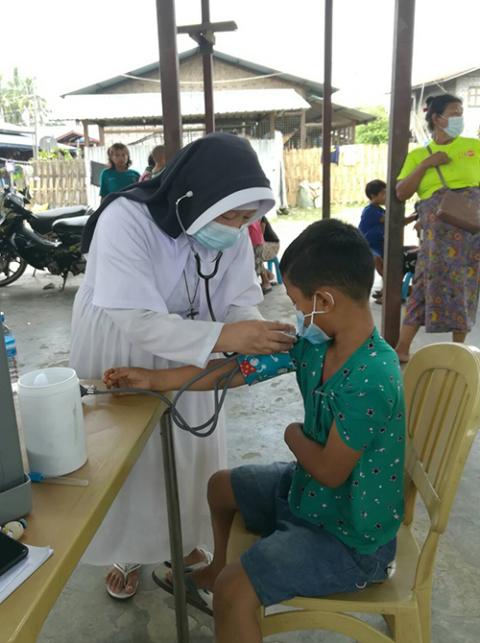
<point>147,107</point>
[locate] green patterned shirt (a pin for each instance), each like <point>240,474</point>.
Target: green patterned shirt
<point>365,399</point>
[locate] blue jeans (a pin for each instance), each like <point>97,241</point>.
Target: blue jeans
<point>295,557</point>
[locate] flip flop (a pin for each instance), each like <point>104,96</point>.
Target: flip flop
<point>195,596</point>
<point>125,569</point>
<point>207,559</point>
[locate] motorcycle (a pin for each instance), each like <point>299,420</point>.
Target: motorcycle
<point>56,248</point>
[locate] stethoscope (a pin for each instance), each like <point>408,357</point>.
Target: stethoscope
<point>206,278</point>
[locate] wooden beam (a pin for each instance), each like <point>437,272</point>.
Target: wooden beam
<point>397,150</point>
<point>327,110</point>
<point>206,26</point>
<point>167,40</point>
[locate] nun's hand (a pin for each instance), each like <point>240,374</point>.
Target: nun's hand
<point>255,337</point>
<point>127,378</point>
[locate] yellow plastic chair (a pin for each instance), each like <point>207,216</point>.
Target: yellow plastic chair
<point>442,387</point>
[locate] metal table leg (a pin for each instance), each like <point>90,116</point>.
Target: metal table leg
<point>174,527</point>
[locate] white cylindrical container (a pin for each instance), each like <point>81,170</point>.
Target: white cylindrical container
<point>52,420</point>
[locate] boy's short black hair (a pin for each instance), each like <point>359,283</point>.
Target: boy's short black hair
<point>330,253</point>
<point>375,187</point>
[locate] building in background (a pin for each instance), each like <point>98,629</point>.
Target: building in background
<point>464,83</point>
<point>249,99</point>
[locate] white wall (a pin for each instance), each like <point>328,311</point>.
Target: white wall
<point>269,151</point>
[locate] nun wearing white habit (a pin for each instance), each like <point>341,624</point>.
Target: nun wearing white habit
<point>143,304</point>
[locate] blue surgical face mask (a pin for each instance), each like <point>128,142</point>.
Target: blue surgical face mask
<point>455,126</point>
<point>312,333</point>
<point>217,236</point>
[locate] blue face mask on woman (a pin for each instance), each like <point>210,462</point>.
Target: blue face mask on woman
<point>217,236</point>
<point>455,126</point>
<point>312,333</point>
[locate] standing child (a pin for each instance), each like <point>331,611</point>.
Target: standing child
<point>118,175</point>
<point>156,163</point>
<point>328,520</point>
<point>258,242</point>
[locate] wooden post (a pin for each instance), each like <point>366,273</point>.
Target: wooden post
<point>167,40</point>
<point>303,129</point>
<point>204,35</point>
<point>273,118</point>
<point>327,109</point>
<point>86,138</point>
<point>207,62</point>
<point>397,149</point>
<point>101,134</point>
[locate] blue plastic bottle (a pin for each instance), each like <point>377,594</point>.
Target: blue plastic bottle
<point>11,347</point>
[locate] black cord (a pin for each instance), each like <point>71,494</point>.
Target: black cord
<point>202,430</point>
<point>210,310</point>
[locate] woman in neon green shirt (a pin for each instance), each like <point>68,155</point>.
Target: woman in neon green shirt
<point>445,289</point>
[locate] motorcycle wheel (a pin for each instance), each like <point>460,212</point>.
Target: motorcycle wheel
<point>12,268</point>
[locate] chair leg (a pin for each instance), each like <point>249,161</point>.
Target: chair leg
<point>406,284</point>
<point>277,271</point>
<point>408,628</point>
<point>424,599</point>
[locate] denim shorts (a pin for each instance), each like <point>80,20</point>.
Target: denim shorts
<point>295,557</point>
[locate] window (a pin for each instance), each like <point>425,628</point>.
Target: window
<point>474,96</point>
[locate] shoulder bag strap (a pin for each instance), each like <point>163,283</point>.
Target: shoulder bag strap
<point>439,171</point>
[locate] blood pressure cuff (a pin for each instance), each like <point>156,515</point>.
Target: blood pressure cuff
<point>258,368</point>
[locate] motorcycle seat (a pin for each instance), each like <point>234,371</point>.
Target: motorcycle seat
<point>75,224</point>
<point>42,221</point>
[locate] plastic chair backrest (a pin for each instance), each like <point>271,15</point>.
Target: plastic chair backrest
<point>442,391</point>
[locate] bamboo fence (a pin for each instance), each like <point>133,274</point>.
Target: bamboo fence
<point>58,183</point>
<point>357,165</point>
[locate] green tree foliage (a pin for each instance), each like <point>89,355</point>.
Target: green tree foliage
<point>376,131</point>
<point>19,101</point>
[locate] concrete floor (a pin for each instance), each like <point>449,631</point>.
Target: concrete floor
<point>84,613</point>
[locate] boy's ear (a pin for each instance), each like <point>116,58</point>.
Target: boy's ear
<point>325,302</point>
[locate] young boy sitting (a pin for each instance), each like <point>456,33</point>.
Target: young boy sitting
<point>372,226</point>
<point>328,520</point>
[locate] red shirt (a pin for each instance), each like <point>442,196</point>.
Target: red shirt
<point>256,235</point>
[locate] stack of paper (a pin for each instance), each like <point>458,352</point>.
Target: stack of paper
<point>22,570</point>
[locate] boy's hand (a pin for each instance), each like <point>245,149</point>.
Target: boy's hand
<point>128,378</point>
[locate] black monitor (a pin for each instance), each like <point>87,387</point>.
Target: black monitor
<point>11,467</point>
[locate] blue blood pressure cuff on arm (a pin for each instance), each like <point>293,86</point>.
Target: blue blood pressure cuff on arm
<point>258,368</point>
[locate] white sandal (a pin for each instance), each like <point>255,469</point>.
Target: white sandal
<point>206,556</point>
<point>125,569</point>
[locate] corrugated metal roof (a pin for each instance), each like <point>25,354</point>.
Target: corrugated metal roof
<point>451,75</point>
<point>9,128</point>
<point>98,107</point>
<point>19,142</point>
